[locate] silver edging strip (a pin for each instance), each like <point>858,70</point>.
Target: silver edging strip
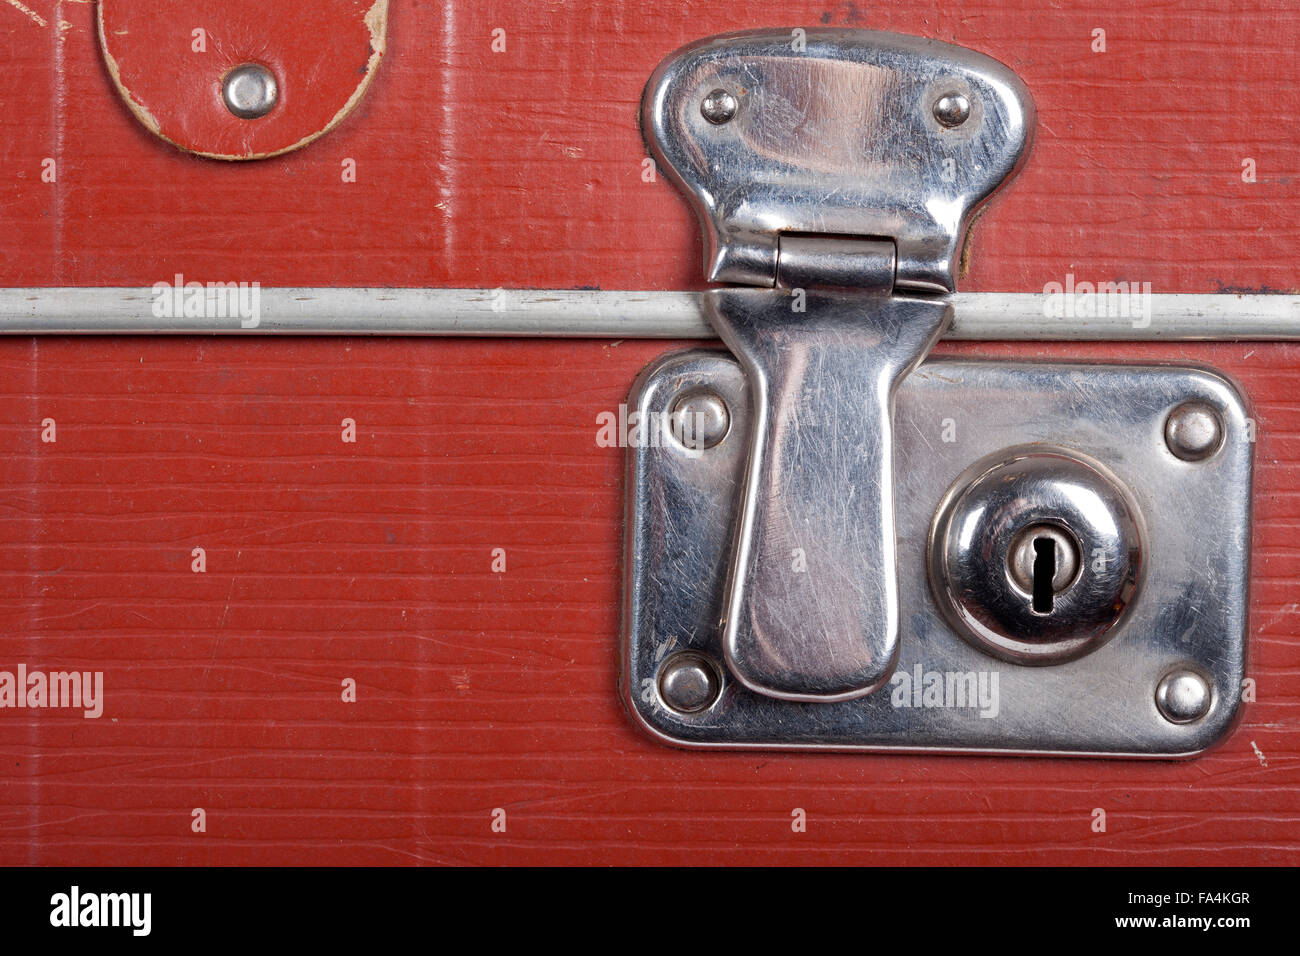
<point>606,314</point>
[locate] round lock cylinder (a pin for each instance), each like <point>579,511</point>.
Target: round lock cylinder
<point>1036,554</point>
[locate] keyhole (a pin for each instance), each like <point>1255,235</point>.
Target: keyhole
<point>1044,573</point>
<point>1043,562</point>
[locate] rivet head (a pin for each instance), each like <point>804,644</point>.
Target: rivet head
<point>1194,431</point>
<point>688,682</point>
<point>700,419</point>
<point>1183,696</point>
<point>952,109</point>
<point>250,91</point>
<point>719,107</point>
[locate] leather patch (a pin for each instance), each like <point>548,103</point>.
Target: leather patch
<point>169,58</point>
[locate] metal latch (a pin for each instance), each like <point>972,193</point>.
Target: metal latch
<point>791,157</point>
<point>810,565</point>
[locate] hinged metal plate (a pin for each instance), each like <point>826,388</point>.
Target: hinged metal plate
<point>1190,611</point>
<point>837,133</point>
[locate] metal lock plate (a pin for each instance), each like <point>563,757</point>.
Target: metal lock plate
<point>879,553</point>
<point>1187,615</point>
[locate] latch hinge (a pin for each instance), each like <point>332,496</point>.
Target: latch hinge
<point>853,133</point>
<point>805,262</point>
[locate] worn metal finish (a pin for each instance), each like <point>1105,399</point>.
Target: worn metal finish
<point>818,488</point>
<point>1190,612</point>
<point>719,107</point>
<point>689,682</point>
<point>974,553</point>
<point>835,133</point>
<point>864,265</point>
<point>1184,696</point>
<point>823,160</point>
<point>952,109</point>
<point>1194,431</point>
<point>700,418</point>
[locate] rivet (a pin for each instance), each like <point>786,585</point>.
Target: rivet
<point>700,419</point>
<point>250,91</point>
<point>719,107</point>
<point>1194,431</point>
<point>1183,696</point>
<point>952,109</point>
<point>688,682</point>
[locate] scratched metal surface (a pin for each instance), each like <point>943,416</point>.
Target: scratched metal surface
<point>326,560</point>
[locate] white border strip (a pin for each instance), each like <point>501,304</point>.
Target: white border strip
<point>585,314</point>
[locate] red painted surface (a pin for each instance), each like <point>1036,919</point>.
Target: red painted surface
<point>169,57</point>
<point>372,560</point>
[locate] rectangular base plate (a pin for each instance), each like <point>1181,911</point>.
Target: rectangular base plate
<point>946,695</point>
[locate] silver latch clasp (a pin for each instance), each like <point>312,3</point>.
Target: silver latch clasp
<point>838,171</point>
<point>844,133</point>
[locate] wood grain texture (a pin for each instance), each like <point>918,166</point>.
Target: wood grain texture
<point>476,690</point>
<point>372,560</point>
<point>523,168</point>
